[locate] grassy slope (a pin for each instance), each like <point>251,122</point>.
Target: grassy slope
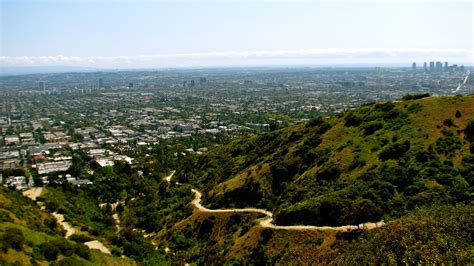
<point>19,212</point>
<point>231,175</point>
<point>304,170</point>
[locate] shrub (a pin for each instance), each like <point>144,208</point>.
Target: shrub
<point>458,114</point>
<point>416,96</point>
<point>449,122</point>
<point>469,130</point>
<point>315,122</point>
<point>65,247</point>
<point>51,206</point>
<point>371,127</point>
<point>414,108</point>
<point>83,251</point>
<point>49,251</point>
<point>5,217</point>
<point>50,223</point>
<point>13,238</point>
<point>395,151</point>
<point>315,241</point>
<point>116,251</point>
<point>364,210</point>
<point>356,163</point>
<point>70,261</point>
<point>352,120</point>
<point>80,238</point>
<point>329,173</point>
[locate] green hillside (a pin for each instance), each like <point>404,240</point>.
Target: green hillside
<point>30,236</point>
<point>432,235</point>
<point>379,160</point>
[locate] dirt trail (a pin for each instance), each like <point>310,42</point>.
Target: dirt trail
<point>96,244</point>
<point>267,223</point>
<point>197,203</point>
<point>69,229</point>
<point>35,192</point>
<point>117,221</point>
<point>115,215</point>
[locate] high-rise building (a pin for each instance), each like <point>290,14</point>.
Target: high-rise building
<point>432,66</point>
<point>413,66</point>
<point>184,83</point>
<point>130,85</point>
<point>425,66</point>
<point>192,83</point>
<point>202,81</point>
<point>439,66</point>
<point>41,85</point>
<point>101,83</point>
<point>446,66</point>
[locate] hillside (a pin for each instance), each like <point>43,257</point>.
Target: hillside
<point>30,236</point>
<point>426,236</point>
<point>379,160</point>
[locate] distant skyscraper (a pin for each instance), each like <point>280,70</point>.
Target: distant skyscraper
<point>192,83</point>
<point>413,66</point>
<point>101,83</point>
<point>439,66</point>
<point>41,85</point>
<point>425,66</point>
<point>432,66</point>
<point>184,83</point>
<point>202,81</point>
<point>130,85</point>
<point>446,66</point>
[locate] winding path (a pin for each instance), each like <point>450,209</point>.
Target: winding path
<point>267,223</point>
<point>35,192</point>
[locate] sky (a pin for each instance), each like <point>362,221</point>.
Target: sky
<point>180,33</point>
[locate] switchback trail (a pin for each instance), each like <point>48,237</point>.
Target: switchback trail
<point>35,192</point>
<point>267,223</point>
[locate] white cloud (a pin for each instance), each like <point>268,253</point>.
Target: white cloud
<point>303,56</point>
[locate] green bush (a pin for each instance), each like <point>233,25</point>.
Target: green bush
<point>83,251</point>
<point>70,261</point>
<point>371,127</point>
<point>449,122</point>
<point>469,130</point>
<point>50,223</point>
<point>5,217</point>
<point>356,163</point>
<point>65,247</point>
<point>13,238</point>
<point>395,151</point>
<point>49,251</point>
<point>458,114</point>
<point>80,238</point>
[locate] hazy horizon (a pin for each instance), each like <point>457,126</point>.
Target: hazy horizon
<point>193,34</point>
